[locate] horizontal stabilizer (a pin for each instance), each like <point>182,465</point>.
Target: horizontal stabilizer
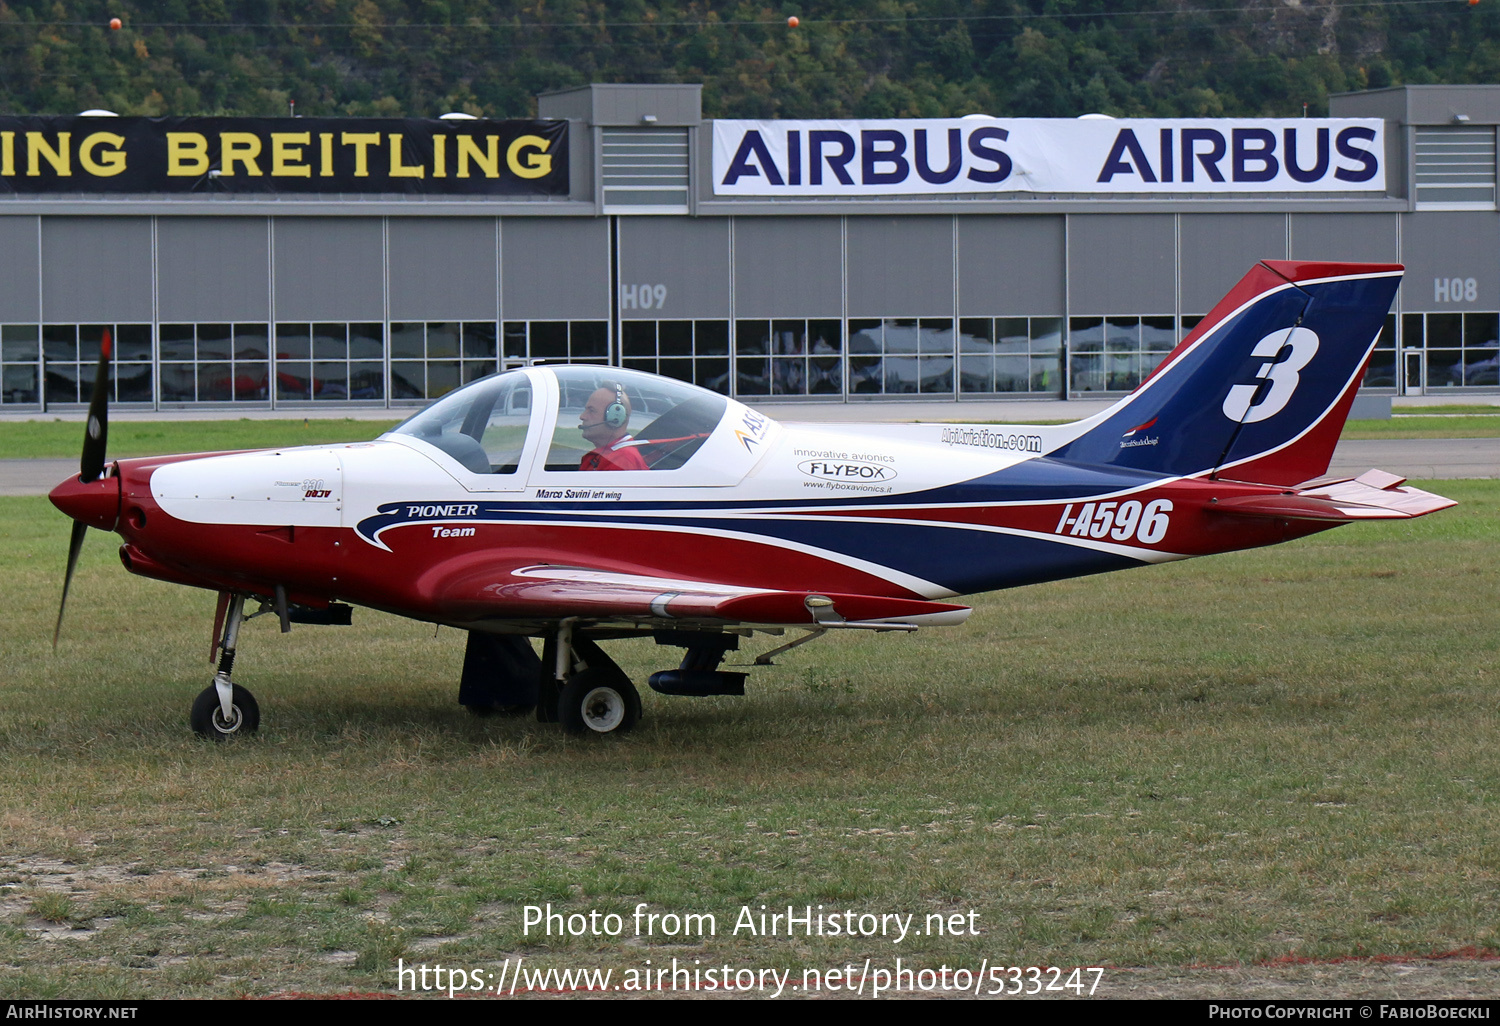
<point>1374,495</point>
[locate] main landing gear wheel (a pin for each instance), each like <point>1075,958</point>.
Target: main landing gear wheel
<point>208,718</point>
<point>598,703</point>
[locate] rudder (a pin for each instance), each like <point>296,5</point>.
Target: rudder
<point>1259,390</point>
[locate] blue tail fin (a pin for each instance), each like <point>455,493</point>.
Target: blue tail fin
<point>1260,389</point>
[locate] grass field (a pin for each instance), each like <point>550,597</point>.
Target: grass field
<point>1198,775</point>
<point>1455,410</point>
<point>57,439</point>
<point>1455,425</point>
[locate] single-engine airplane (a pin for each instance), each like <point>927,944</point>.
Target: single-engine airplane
<point>699,521</point>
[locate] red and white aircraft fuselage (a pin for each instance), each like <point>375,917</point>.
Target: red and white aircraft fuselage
<point>476,513</point>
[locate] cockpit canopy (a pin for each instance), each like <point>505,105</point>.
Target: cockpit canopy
<point>482,425</point>
<point>638,423</point>
<point>666,421</point>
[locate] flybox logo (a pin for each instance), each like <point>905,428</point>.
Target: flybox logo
<point>1092,156</point>
<point>847,470</point>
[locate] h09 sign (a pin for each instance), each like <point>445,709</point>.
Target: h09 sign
<point>282,155</point>
<point>1084,156</point>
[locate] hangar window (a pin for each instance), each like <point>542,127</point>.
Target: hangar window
<point>70,352</point>
<point>789,357</point>
<point>1010,354</point>
<point>528,342</point>
<point>1117,353</point>
<point>214,362</point>
<point>330,361</point>
<point>692,351</point>
<point>1462,350</point>
<point>433,358</point>
<point>20,363</point>
<point>901,356</point>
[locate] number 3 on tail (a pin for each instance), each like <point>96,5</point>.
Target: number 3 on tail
<point>1283,376</point>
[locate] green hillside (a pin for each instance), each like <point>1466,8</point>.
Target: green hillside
<point>1040,58</point>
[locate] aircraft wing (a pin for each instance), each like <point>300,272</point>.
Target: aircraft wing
<point>530,590</point>
<point>1374,495</point>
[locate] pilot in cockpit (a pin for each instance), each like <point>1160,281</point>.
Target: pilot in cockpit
<point>605,423</point>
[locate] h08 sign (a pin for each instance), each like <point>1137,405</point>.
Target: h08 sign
<point>1084,156</point>
<point>41,155</point>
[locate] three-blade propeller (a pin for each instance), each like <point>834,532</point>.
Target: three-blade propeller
<point>90,465</point>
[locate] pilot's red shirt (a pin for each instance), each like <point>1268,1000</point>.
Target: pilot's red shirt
<point>622,455</point>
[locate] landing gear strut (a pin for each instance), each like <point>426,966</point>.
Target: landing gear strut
<point>577,686</point>
<point>224,709</point>
<point>582,689</point>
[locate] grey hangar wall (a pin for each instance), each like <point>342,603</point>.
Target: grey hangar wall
<point>391,302</point>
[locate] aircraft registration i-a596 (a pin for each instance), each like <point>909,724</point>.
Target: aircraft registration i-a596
<point>581,504</point>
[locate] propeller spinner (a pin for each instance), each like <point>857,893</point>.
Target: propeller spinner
<point>91,499</point>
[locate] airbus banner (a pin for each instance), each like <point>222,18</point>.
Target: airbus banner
<point>211,155</point>
<point>1048,155</point>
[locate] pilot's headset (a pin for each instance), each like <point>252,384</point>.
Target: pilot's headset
<point>617,413</point>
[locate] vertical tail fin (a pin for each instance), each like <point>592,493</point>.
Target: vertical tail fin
<point>1260,389</point>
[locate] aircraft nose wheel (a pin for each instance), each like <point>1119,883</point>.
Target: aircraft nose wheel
<point>208,718</point>
<point>596,703</point>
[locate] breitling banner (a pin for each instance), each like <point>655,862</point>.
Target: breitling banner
<point>1045,155</point>
<point>282,155</point>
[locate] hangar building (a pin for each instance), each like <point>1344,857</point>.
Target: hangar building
<point>821,261</point>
